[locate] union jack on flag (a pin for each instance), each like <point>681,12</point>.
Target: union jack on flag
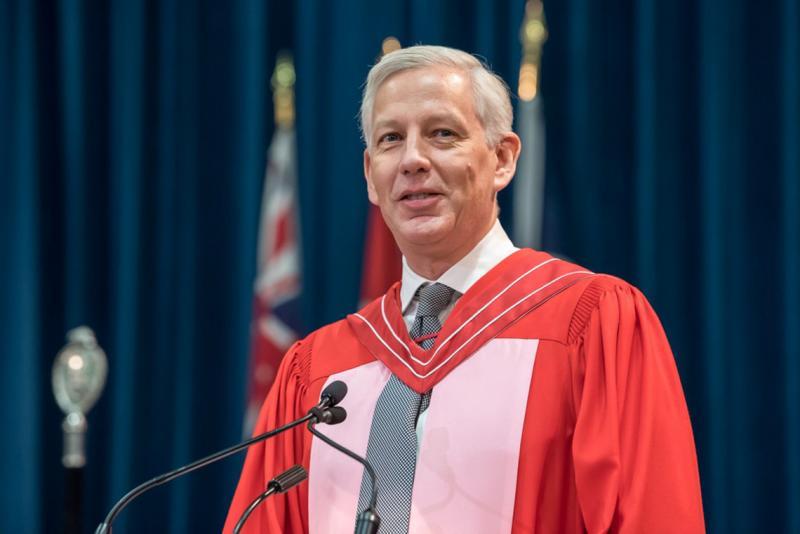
<point>276,311</point>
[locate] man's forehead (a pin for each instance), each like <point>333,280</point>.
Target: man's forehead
<point>436,92</point>
<point>430,78</point>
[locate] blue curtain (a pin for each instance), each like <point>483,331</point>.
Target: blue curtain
<point>133,142</point>
<point>674,160</point>
<point>132,145</point>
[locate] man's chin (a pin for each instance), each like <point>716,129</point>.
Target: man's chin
<point>422,231</point>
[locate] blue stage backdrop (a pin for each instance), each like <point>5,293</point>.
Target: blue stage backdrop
<point>132,143</point>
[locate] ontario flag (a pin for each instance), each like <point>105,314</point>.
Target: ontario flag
<point>382,259</point>
<point>276,320</point>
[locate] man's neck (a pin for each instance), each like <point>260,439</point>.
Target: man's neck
<point>432,266</point>
<point>431,269</point>
<point>491,250</point>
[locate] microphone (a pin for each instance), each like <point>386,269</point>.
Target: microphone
<point>368,521</point>
<point>334,393</point>
<point>330,397</point>
<point>280,484</point>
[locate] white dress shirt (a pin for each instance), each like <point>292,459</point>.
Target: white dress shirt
<point>491,250</point>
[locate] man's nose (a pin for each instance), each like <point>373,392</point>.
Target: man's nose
<point>415,159</point>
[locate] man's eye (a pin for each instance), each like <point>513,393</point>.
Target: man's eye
<point>389,138</point>
<point>444,132</point>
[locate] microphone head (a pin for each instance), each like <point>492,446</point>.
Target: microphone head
<point>334,415</point>
<point>334,393</point>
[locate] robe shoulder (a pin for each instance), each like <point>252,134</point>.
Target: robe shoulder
<point>633,446</point>
<point>564,316</point>
<point>607,406</point>
<point>334,348</point>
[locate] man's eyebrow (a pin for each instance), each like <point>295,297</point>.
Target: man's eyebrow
<point>432,118</point>
<point>445,117</point>
<point>385,123</point>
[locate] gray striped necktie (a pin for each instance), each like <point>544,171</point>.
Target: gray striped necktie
<point>392,448</point>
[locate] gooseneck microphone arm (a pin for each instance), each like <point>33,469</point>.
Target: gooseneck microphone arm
<point>330,397</point>
<point>280,484</point>
<point>354,456</point>
<point>368,521</point>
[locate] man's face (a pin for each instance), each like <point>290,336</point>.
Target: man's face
<point>429,167</point>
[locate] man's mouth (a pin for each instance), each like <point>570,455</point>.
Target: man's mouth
<point>418,196</point>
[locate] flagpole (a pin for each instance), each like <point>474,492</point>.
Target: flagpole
<point>529,181</point>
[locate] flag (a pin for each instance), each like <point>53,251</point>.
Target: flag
<point>382,259</point>
<point>276,310</point>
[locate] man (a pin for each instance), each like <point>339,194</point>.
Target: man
<point>494,389</point>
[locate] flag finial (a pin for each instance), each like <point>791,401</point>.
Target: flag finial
<point>533,35</point>
<point>283,90</point>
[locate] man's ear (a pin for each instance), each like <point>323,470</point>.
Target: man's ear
<point>371,193</point>
<point>507,152</point>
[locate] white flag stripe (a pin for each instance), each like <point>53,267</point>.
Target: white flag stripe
<point>280,267</point>
<point>272,328</point>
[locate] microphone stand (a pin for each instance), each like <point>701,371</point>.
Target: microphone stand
<point>325,411</point>
<point>105,526</point>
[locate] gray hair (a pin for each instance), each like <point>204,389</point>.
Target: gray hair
<point>492,100</point>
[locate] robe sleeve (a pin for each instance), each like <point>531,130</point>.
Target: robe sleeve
<point>285,512</point>
<point>633,449</point>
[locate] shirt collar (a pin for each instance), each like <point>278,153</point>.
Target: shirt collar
<point>491,250</point>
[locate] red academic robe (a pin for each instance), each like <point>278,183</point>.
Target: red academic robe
<point>556,407</point>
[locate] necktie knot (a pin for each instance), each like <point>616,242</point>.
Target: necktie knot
<point>433,299</point>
